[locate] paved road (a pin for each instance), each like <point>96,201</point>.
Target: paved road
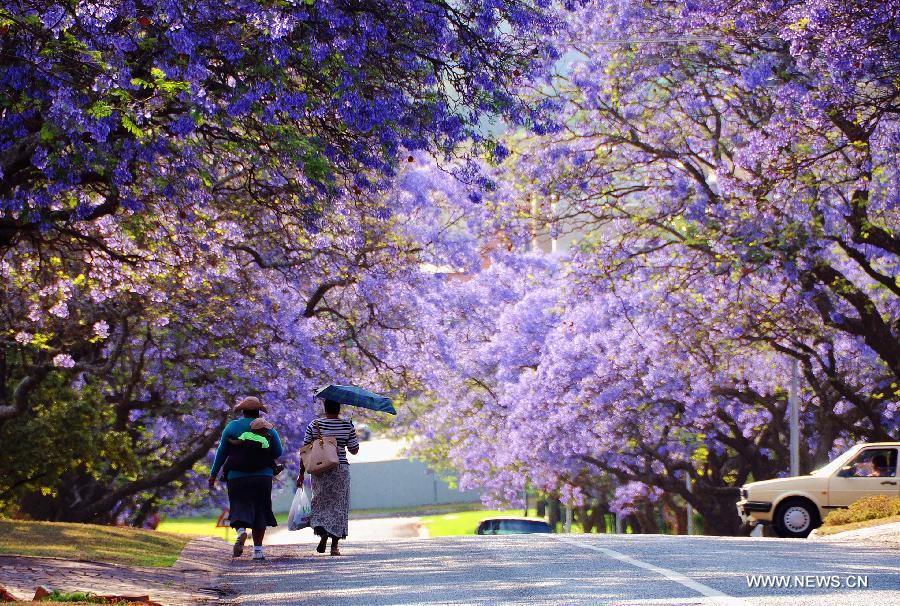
<point>557,570</point>
<point>373,529</point>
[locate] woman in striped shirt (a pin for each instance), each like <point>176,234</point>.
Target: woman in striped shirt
<point>331,490</point>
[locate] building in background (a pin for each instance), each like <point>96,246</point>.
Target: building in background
<point>382,477</point>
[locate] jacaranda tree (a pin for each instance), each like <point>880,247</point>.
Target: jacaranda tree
<point>137,363</point>
<point>729,171</point>
<point>195,203</point>
<point>122,105</point>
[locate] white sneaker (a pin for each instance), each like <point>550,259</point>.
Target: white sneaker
<point>239,543</point>
<point>258,553</point>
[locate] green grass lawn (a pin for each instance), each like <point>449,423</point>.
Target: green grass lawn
<point>416,510</point>
<point>453,523</point>
<point>466,522</point>
<point>113,544</point>
<point>461,522</point>
<point>76,598</point>
<point>196,526</point>
<point>204,526</point>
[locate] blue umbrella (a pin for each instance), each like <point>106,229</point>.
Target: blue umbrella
<point>357,396</point>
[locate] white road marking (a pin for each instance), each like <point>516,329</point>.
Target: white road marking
<point>716,596</point>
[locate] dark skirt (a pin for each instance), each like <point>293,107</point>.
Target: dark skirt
<point>250,502</point>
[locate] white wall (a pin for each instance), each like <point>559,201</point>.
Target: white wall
<point>401,483</point>
<point>389,484</point>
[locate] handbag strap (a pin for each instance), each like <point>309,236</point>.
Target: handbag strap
<point>318,429</point>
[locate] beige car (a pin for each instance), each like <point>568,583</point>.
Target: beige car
<point>795,506</point>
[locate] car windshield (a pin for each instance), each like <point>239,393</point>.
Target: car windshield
<point>836,464</point>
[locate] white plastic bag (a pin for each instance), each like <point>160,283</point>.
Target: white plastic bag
<point>301,508</point>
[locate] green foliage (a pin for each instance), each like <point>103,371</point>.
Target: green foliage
<point>867,508</point>
<point>131,127</point>
<point>74,596</point>
<point>65,432</point>
<point>100,109</point>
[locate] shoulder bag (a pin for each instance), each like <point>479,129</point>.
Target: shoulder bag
<point>321,454</point>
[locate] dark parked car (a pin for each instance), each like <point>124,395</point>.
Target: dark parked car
<point>512,526</point>
<point>363,432</point>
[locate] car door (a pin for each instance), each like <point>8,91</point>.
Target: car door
<point>873,471</point>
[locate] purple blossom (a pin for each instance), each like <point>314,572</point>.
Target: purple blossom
<point>63,361</point>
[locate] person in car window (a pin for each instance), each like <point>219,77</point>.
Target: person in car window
<point>872,465</point>
<point>863,469</point>
<point>880,467</point>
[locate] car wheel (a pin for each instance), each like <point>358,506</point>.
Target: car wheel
<point>796,518</point>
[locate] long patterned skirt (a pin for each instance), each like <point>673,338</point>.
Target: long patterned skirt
<point>331,502</point>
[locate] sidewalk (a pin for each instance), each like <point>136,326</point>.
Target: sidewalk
<point>192,581</point>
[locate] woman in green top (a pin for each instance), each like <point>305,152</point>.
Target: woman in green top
<point>249,492</point>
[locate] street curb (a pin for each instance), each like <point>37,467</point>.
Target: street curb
<point>208,558</point>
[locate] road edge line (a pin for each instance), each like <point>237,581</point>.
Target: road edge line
<point>720,598</point>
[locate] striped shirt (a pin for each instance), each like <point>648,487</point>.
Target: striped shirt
<point>338,428</point>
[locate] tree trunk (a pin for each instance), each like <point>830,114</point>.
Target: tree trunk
<point>146,509</point>
<point>554,513</point>
<point>719,513</point>
<point>592,516</point>
<point>647,518</point>
<point>674,515</point>
<point>632,520</point>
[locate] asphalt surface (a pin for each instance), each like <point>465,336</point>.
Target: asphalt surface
<point>366,530</point>
<point>572,569</point>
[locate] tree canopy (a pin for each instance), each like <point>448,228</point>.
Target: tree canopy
<point>729,171</point>
<point>204,200</point>
<point>199,200</point>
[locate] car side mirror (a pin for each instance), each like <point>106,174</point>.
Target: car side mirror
<point>846,471</point>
